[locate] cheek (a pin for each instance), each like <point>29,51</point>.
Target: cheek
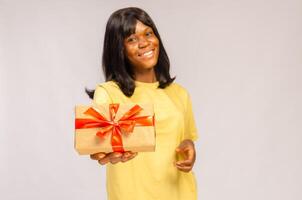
<point>130,53</point>
<point>157,48</point>
<point>155,42</point>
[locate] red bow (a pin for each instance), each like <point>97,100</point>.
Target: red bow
<point>124,125</point>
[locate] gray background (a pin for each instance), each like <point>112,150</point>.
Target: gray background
<point>239,59</point>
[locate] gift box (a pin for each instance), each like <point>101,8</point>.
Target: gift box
<point>114,128</point>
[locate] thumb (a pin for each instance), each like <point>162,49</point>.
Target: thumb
<point>181,149</point>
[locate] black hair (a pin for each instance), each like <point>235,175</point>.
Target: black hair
<point>120,25</point>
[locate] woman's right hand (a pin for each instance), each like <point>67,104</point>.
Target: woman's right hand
<point>113,158</point>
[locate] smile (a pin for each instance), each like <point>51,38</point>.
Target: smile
<point>147,54</point>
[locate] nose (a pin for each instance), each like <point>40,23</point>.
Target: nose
<point>143,42</point>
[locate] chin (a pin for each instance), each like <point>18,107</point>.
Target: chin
<point>150,64</point>
<point>145,64</point>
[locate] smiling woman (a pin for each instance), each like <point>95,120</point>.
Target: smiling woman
<point>136,67</point>
<point>124,32</point>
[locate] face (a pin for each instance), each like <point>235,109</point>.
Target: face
<point>142,48</point>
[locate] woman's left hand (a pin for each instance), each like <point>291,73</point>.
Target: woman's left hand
<point>187,149</point>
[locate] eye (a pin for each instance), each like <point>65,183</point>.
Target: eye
<point>131,39</point>
<point>149,33</point>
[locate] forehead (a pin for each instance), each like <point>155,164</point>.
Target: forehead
<point>141,27</point>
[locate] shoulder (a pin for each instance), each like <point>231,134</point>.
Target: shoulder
<point>108,84</point>
<point>178,89</point>
<point>109,90</point>
<point>106,92</point>
<point>105,88</point>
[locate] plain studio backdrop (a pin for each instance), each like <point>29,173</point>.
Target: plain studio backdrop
<point>241,61</point>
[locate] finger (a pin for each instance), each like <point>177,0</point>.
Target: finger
<point>115,160</point>
<point>108,158</point>
<point>184,163</point>
<point>183,154</point>
<point>104,160</point>
<point>97,156</point>
<point>190,154</point>
<point>125,157</point>
<point>184,168</point>
<point>115,157</point>
<point>182,148</point>
<point>181,145</point>
<point>133,155</point>
<point>127,154</point>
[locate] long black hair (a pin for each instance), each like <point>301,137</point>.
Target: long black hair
<point>120,25</point>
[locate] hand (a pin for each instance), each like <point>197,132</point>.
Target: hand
<point>187,150</point>
<point>113,158</point>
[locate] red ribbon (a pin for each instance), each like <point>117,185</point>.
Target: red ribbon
<point>124,125</point>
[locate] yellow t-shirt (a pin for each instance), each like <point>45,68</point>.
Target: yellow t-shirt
<point>152,175</point>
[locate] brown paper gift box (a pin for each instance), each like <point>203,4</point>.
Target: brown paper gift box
<point>141,139</point>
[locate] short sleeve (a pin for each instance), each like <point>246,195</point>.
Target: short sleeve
<point>190,127</point>
<point>101,95</point>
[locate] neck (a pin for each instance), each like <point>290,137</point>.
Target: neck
<point>147,76</point>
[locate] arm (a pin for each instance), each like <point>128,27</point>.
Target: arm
<point>186,148</point>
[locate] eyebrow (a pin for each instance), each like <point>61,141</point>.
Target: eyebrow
<point>146,29</point>
<point>142,31</point>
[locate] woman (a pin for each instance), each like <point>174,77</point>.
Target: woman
<point>136,67</point>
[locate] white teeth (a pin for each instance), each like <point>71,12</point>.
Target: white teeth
<point>148,54</point>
